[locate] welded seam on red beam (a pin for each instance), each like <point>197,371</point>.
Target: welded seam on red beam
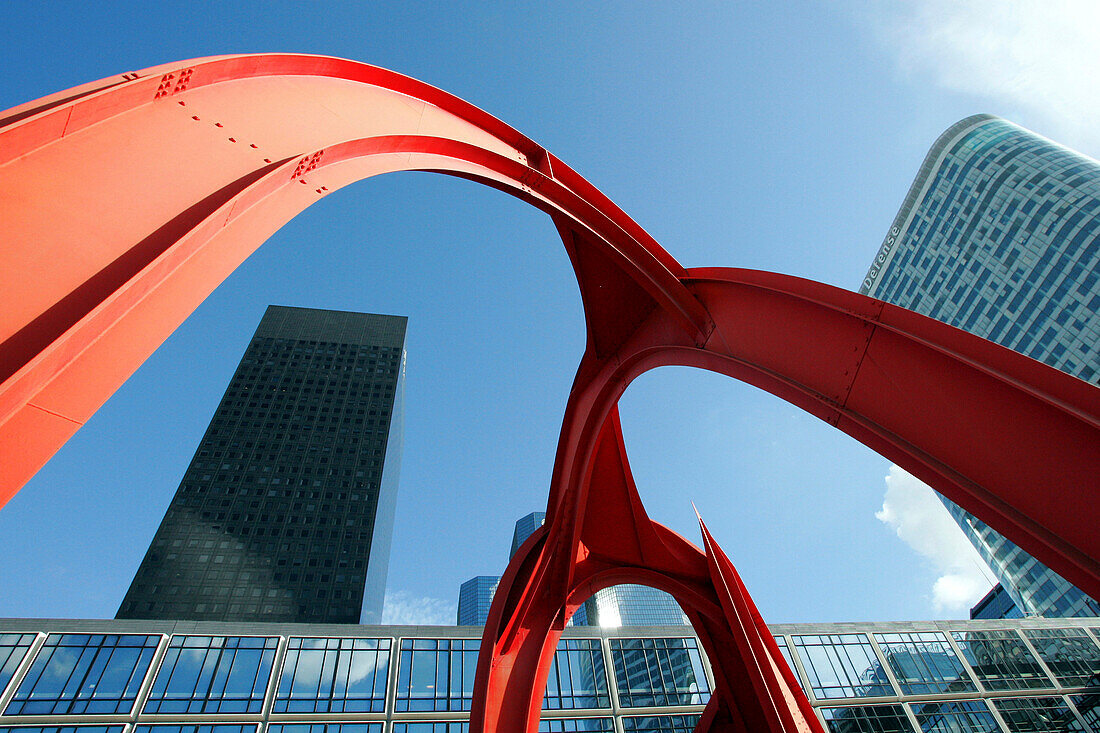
<point>55,414</point>
<point>873,323</point>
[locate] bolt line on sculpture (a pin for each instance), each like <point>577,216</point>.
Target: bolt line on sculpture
<point>111,237</point>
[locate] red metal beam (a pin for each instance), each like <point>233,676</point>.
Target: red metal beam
<point>124,202</point>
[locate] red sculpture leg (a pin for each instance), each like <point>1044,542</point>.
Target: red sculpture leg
<point>754,691</point>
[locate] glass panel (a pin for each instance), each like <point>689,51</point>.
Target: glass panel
<point>577,677</point>
<point>924,663</point>
<point>213,674</point>
<point>577,725</point>
<point>62,729</point>
<point>660,723</point>
<point>452,726</point>
<point>659,672</point>
<point>867,719</point>
<point>842,665</point>
<point>1037,715</point>
<point>1071,654</point>
<point>785,650</point>
<point>961,716</point>
<point>13,647</point>
<point>1001,660</point>
<point>198,728</point>
<point>1089,708</point>
<point>84,674</point>
<point>436,674</point>
<point>334,676</point>
<point>324,728</point>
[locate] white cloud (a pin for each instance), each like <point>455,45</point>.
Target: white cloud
<point>915,513</point>
<point>1037,59</point>
<point>402,608</point>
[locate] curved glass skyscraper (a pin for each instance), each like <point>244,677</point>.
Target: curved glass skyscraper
<point>1000,235</point>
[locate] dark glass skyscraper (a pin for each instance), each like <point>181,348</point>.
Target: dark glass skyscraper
<point>1000,235</point>
<point>286,511</point>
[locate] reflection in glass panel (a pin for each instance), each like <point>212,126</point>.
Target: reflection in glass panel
<point>436,674</point>
<point>924,663</point>
<point>660,723</point>
<point>334,676</point>
<point>213,674</point>
<point>324,728</point>
<point>62,729</point>
<point>785,650</point>
<point>85,674</point>
<point>13,647</point>
<point>577,677</point>
<point>438,726</point>
<point>867,719</point>
<point>659,672</point>
<point>1071,654</point>
<point>955,716</point>
<point>577,725</point>
<point>198,728</point>
<point>842,665</point>
<point>1001,660</point>
<point>1089,708</point>
<point>1037,715</point>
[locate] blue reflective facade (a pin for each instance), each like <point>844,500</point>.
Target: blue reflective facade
<point>198,728</point>
<point>633,605</point>
<point>577,725</point>
<point>85,674</point>
<point>193,677</point>
<point>659,672</point>
<point>1001,659</point>
<point>924,663</point>
<point>1039,714</point>
<point>867,719</point>
<point>474,598</point>
<point>1071,655</point>
<point>68,729</point>
<point>333,675</point>
<point>325,728</point>
<point>955,716</point>
<point>660,723</point>
<point>1000,235</point>
<point>435,675</point>
<point>13,648</point>
<point>842,665</point>
<point>578,678</point>
<point>525,527</point>
<point>213,674</point>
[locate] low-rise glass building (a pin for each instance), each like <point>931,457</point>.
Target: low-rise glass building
<point>215,677</point>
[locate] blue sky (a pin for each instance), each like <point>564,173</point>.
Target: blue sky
<point>778,136</point>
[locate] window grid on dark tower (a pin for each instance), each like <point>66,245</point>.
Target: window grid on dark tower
<point>286,510</point>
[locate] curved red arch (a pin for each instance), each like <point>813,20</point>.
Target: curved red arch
<point>169,177</point>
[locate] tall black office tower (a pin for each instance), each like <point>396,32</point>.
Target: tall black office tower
<point>1000,235</point>
<point>286,511</point>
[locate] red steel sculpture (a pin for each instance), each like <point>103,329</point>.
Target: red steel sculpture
<point>124,202</point>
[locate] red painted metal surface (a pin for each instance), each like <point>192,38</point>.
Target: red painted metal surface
<point>124,202</point>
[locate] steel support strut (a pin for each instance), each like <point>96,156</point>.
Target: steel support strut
<point>124,202</point>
